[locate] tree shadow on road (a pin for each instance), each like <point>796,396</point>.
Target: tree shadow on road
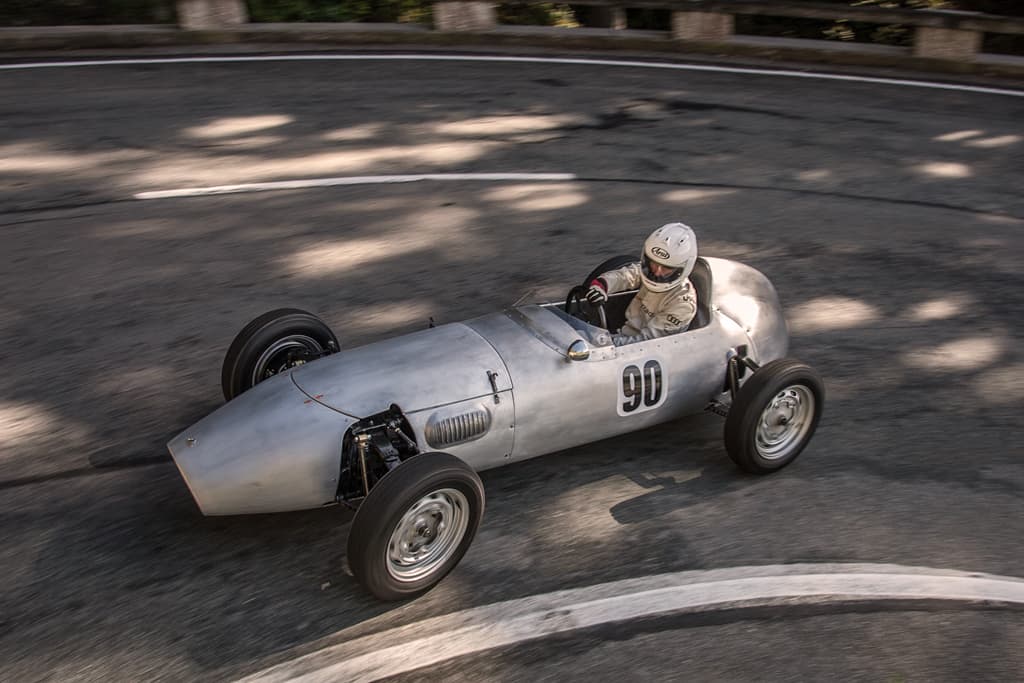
<point>116,318</point>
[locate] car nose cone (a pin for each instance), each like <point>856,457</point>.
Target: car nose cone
<point>271,449</point>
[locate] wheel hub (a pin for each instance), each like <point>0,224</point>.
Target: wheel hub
<point>282,355</point>
<point>428,534</point>
<point>785,421</point>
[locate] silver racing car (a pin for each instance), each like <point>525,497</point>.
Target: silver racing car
<point>399,428</point>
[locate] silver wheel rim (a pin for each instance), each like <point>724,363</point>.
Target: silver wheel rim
<point>785,422</point>
<point>428,534</point>
<point>274,360</point>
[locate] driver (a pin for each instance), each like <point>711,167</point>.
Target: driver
<point>666,302</point>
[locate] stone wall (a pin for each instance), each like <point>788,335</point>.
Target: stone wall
<point>197,15</point>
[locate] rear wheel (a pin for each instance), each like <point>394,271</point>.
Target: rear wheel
<point>415,526</point>
<point>272,343</point>
<point>774,416</point>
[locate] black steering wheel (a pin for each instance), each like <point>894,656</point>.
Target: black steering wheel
<point>577,299</point>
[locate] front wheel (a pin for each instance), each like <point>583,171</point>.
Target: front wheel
<point>774,415</point>
<point>415,526</point>
<point>272,343</point>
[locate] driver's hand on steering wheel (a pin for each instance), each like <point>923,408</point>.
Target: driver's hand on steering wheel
<point>598,292</point>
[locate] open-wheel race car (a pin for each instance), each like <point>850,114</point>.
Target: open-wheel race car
<point>399,428</point>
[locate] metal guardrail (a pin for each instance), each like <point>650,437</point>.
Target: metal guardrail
<point>948,19</point>
<point>201,14</point>
<point>942,39</point>
<point>938,34</point>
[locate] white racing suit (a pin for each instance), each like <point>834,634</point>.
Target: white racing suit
<point>651,314</point>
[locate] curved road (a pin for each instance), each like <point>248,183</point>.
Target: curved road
<point>890,218</point>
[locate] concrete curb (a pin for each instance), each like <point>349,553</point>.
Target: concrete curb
<point>403,649</point>
<point>342,35</point>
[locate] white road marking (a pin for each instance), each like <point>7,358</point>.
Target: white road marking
<point>350,180</point>
<point>407,648</point>
<point>522,60</point>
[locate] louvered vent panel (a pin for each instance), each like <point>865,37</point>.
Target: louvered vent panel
<point>448,431</point>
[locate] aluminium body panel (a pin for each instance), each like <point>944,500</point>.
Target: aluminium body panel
<point>561,404</point>
<point>271,449</point>
<point>490,446</point>
<point>746,296</point>
<point>424,369</point>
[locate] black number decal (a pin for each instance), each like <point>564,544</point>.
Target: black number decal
<point>632,388</point>
<point>641,388</point>
<point>652,383</point>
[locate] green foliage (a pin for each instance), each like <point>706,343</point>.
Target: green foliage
<point>388,11</point>
<point>649,19</point>
<point>889,34</point>
<point>842,29</point>
<point>543,14</point>
<point>76,12</point>
<point>909,4</point>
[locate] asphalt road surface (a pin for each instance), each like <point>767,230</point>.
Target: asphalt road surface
<point>889,217</point>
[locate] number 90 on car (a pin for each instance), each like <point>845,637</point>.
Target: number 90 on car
<point>643,386</point>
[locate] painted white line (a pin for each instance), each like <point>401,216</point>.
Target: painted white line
<point>350,180</point>
<point>407,648</point>
<point>521,60</point>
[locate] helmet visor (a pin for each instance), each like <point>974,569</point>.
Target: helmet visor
<point>656,272</point>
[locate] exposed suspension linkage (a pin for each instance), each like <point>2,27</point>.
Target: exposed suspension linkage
<point>371,448</point>
<point>736,369</point>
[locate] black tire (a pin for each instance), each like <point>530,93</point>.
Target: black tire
<point>614,263</point>
<point>442,488</point>
<point>760,441</point>
<point>287,327</point>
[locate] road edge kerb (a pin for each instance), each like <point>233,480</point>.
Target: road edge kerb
<point>435,640</point>
<point>317,36</point>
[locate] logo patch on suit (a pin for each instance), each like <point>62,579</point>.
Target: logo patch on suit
<point>674,320</point>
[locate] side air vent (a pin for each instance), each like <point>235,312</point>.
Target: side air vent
<point>447,431</point>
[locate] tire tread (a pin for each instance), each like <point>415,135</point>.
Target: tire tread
<point>238,351</point>
<point>388,500</point>
<point>741,422</point>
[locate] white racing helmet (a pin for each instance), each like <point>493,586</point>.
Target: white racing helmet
<point>674,246</point>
